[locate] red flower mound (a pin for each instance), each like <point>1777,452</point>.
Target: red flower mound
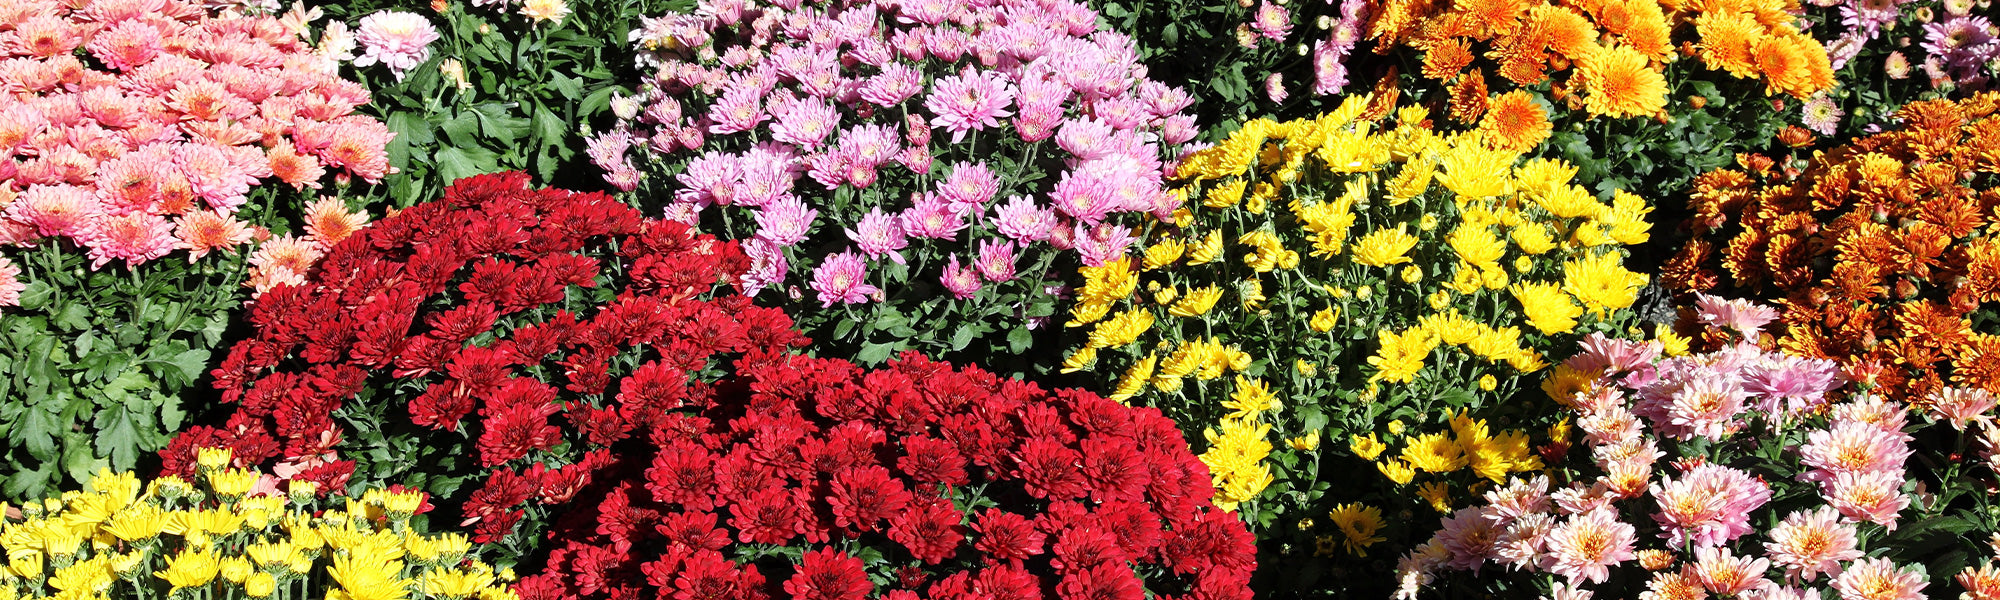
<point>502,338</point>
<point>803,477</point>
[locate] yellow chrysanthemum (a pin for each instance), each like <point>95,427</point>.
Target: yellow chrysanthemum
<point>1197,302</point>
<point>1434,452</point>
<point>1601,282</point>
<point>1359,523</point>
<point>1384,247</point>
<point>1547,308</point>
<point>1134,380</point>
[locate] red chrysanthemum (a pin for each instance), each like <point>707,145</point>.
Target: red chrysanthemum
<point>828,574</point>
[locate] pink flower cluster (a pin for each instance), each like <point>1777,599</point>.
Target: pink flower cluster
<point>1701,510</point>
<point>885,116</point>
<point>151,137</point>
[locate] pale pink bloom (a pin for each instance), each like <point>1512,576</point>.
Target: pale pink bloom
<point>785,221</point>
<point>1611,425</point>
<point>1725,574</point>
<point>1178,129</point>
<point>996,260</point>
<point>805,123</point>
<point>1874,409</point>
<point>132,237</point>
<point>1468,537</point>
<point>1782,592</point>
<point>1585,546</point>
<point>767,265</point>
<point>56,210</point>
<point>1879,579</point>
<point>1520,497</point>
<point>970,100</point>
<point>1808,544</point>
<point>1523,544</point>
<point>897,82</point>
<point>217,177</point>
<point>1704,407</point>
<point>282,260</point>
<point>962,281</point>
<point>10,283</point>
<point>1709,503</point>
<point>399,40</point>
<point>1961,406</point>
<point>1578,498</point>
<point>1568,591</point>
<point>1086,138</point>
<point>1872,496</point>
<point>1416,569</point>
<point>1852,447</point>
<point>932,217</point>
<point>767,176</point>
<point>1273,22</point>
<point>842,278</point>
<point>879,233</point>
<point>1802,381</point>
<point>1744,317</point>
<point>1274,88</point>
<point>870,145</point>
<point>1022,221</point>
<point>1612,357</point>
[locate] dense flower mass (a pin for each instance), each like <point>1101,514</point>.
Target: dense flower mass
<point>952,482</point>
<point>1654,496</point>
<point>1876,253</point>
<point>867,150</point>
<point>1356,261</point>
<point>230,532</point>
<point>136,128</point>
<point>1615,51</point>
<point>466,312</point>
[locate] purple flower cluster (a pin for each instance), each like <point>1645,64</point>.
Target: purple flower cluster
<point>885,117</point>
<point>1960,49</point>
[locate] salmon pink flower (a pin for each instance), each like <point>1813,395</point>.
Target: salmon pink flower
<point>1583,547</point>
<point>1808,544</point>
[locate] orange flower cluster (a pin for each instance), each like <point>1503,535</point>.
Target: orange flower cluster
<point>1616,50</point>
<point>1879,252</point>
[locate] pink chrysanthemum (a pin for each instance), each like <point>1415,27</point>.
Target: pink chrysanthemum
<point>932,217</point>
<point>1584,547</point>
<point>1808,544</point>
<point>328,222</point>
<point>1469,538</point>
<point>55,210</point>
<point>805,122</point>
<point>785,221</point>
<point>972,99</point>
<point>216,176</point>
<point>768,265</point>
<point>878,234</point>
<point>842,278</point>
<point>1024,222</point>
<point>1852,447</point>
<point>10,283</point>
<point>1879,579</point>
<point>132,237</point>
<point>1874,496</point>
<point>1961,406</point>
<point>996,260</point>
<point>962,281</point>
<point>1744,317</point>
<point>970,186</point>
<point>399,40</point>
<point>1709,503</point>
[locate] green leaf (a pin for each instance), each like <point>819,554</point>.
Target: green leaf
<point>191,363</point>
<point>571,88</point>
<point>39,426</point>
<point>117,437</point>
<point>1019,339</point>
<point>455,162</point>
<point>78,460</point>
<point>74,317</point>
<point>596,102</point>
<point>963,337</point>
<point>36,295</point>
<point>498,123</point>
<point>26,483</point>
<point>462,130</point>
<point>874,354</point>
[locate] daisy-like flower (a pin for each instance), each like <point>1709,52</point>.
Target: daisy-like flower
<point>1022,221</point>
<point>1808,544</point>
<point>10,283</point>
<point>785,221</point>
<point>1961,406</point>
<point>970,100</point>
<point>55,210</point>
<point>1725,574</point>
<point>1745,317</point>
<point>540,11</point>
<point>1821,115</point>
<point>1853,447</point>
<point>879,233</point>
<point>328,222</point>
<point>132,237</point>
<point>1584,547</point>
<point>1879,579</point>
<point>996,260</point>
<point>1873,496</point>
<point>842,278</point>
<point>203,231</point>
<point>399,40</point>
<point>281,261</point>
<point>962,281</point>
<point>1710,503</point>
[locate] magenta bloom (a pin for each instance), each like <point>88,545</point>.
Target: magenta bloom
<point>1100,245</point>
<point>879,233</point>
<point>1022,221</point>
<point>399,40</point>
<point>805,122</point>
<point>969,186</point>
<point>1273,22</point>
<point>842,278</point>
<point>897,82</point>
<point>962,281</point>
<point>1802,381</point>
<point>738,110</point>
<point>996,260</point>
<point>767,265</point>
<point>932,217</point>
<point>785,221</point>
<point>970,100</point>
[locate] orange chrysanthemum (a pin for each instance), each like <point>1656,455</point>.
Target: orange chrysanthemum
<point>203,231</point>
<point>1565,31</point>
<point>1447,59</point>
<point>1618,82</point>
<point>1515,122</point>
<point>1794,64</point>
<point>1468,97</point>
<point>1727,42</point>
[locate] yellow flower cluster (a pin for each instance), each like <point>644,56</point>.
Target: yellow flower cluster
<point>126,539</point>
<point>1470,446</point>
<point>1389,253</point>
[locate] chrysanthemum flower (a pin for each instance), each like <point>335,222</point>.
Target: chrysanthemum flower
<point>328,222</point>
<point>972,99</point>
<point>133,237</point>
<point>842,278</point>
<point>399,40</point>
<point>10,283</point>
<point>1584,547</point>
<point>1515,122</point>
<point>203,231</point>
<point>1618,82</point>
<point>1808,544</point>
<point>1879,579</point>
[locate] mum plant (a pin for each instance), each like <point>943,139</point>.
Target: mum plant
<point>1331,275</point>
<point>1740,472</point>
<point>230,533</point>
<point>134,130</point>
<point>923,167</point>
<point>825,480</point>
<point>1875,252</point>
<point>1889,53</point>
